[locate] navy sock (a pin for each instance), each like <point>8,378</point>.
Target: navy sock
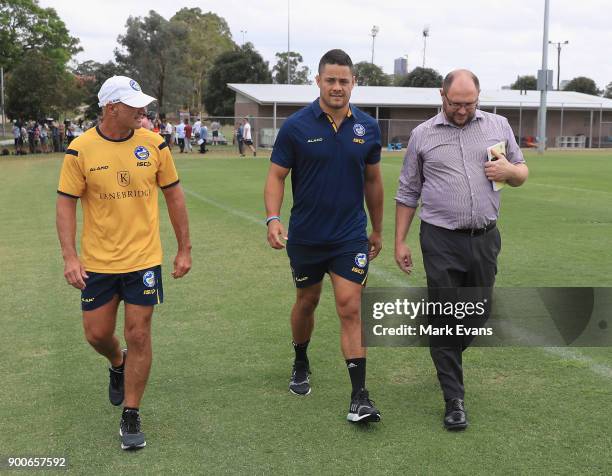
<point>357,372</point>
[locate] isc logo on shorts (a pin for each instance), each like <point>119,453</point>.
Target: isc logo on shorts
<point>148,291</point>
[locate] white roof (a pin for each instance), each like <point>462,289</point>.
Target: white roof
<point>371,96</point>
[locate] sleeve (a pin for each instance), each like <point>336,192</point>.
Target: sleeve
<point>374,155</point>
<point>283,153</point>
<point>72,176</point>
<point>411,176</point>
<point>514,154</point>
<point>166,173</point>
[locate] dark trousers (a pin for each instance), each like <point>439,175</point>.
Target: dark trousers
<point>181,143</point>
<point>454,259</point>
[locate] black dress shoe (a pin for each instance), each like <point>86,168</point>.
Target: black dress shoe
<point>455,418</point>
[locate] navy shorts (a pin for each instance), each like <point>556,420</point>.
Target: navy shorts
<point>142,287</point>
<point>310,263</point>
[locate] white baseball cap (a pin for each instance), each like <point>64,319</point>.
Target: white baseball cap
<point>125,90</point>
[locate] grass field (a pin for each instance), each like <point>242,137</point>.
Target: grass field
<point>217,400</point>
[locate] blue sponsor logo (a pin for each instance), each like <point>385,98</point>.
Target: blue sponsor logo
<point>141,153</point>
<point>361,260</point>
<point>359,130</point>
<point>134,85</point>
<point>149,279</point>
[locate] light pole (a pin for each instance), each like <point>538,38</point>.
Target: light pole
<point>244,32</point>
<point>425,35</point>
<point>374,32</point>
<point>559,46</point>
<point>544,84</point>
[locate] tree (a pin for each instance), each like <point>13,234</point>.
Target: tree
<point>29,97</point>
<point>298,76</point>
<point>608,91</point>
<point>25,26</point>
<point>152,51</point>
<point>242,65</point>
<point>525,83</point>
<point>368,74</point>
<point>91,75</point>
<point>208,35</point>
<point>582,84</point>
<point>422,78</point>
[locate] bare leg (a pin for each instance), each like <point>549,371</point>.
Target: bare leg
<point>138,363</point>
<point>99,326</point>
<point>302,314</point>
<point>348,306</point>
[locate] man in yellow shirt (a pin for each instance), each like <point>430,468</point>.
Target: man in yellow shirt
<point>116,169</point>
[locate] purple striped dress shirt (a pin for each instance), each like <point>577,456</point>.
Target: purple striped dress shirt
<point>444,168</point>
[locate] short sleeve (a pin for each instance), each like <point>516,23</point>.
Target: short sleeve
<point>166,173</point>
<point>72,176</point>
<point>374,155</point>
<point>283,151</point>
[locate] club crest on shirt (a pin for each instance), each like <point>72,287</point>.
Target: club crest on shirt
<point>359,130</point>
<point>134,85</point>
<point>361,260</point>
<point>149,279</point>
<point>141,153</point>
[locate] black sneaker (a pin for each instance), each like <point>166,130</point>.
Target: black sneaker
<point>129,430</point>
<point>300,383</point>
<point>362,409</point>
<point>115,384</point>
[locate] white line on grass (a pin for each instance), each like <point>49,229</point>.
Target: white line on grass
<point>564,353</point>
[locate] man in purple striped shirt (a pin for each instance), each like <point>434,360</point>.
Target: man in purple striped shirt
<point>446,168</point>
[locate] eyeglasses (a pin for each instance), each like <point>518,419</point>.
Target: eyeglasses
<point>458,105</point>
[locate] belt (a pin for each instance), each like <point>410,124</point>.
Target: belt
<point>476,231</point>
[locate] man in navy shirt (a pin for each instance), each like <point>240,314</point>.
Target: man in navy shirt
<point>333,152</point>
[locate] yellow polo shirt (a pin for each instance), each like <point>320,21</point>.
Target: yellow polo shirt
<point>117,183</point>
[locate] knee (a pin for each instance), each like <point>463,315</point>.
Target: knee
<point>98,337</point>
<point>137,337</point>
<point>307,304</point>
<point>348,309</point>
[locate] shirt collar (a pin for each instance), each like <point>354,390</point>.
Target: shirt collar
<point>441,119</point>
<point>318,112</point>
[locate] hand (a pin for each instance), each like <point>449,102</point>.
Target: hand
<point>182,264</point>
<point>403,257</point>
<point>499,170</point>
<point>374,245</point>
<point>276,233</point>
<point>74,272</point>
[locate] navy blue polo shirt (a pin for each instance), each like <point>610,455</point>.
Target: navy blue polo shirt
<point>327,173</point>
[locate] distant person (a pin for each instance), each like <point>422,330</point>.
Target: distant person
<point>188,133</point>
<point>168,131</point>
<point>44,136</point>
<point>17,137</point>
<point>246,135</point>
<point>446,171</point>
<point>55,136</point>
<point>214,127</point>
<point>239,139</point>
<point>121,253</point>
<point>180,136</point>
<point>197,126</point>
<point>203,139</point>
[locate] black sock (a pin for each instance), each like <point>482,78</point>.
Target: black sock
<point>357,372</point>
<point>300,351</point>
<point>129,409</point>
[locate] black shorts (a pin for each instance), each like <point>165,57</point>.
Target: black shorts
<point>18,141</point>
<point>247,141</point>
<point>215,133</point>
<point>142,287</point>
<point>310,263</point>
